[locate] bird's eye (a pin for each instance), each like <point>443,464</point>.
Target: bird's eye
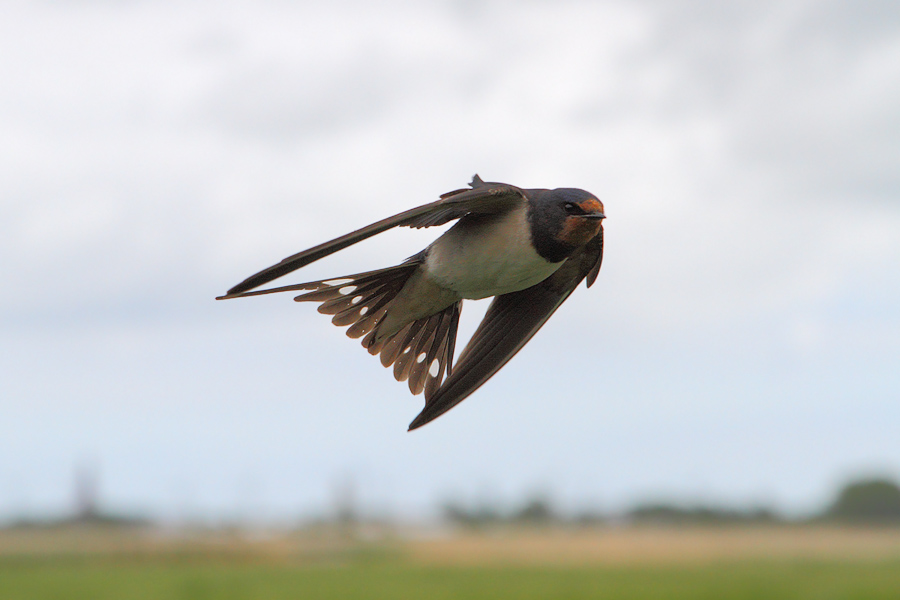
<point>573,209</point>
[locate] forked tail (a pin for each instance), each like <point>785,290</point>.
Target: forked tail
<point>421,352</point>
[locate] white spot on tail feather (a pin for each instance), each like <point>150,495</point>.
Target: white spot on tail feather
<point>435,368</point>
<point>421,357</point>
<point>363,310</point>
<point>356,300</point>
<point>337,281</point>
<point>347,290</point>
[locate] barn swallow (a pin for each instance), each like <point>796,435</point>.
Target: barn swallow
<point>528,248</point>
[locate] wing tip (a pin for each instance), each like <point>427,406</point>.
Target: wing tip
<point>437,408</point>
<point>247,284</point>
<point>419,421</point>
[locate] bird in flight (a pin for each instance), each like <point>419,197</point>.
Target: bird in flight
<point>528,248</point>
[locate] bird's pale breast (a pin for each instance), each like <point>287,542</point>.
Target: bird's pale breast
<point>488,256</point>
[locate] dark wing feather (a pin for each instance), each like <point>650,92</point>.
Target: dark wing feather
<point>598,251</point>
<point>511,320</point>
<point>483,198</point>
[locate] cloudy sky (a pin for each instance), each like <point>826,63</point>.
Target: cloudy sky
<point>742,343</point>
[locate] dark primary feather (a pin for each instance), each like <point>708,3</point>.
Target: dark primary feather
<point>321,285</point>
<point>483,198</point>
<point>598,251</point>
<point>511,320</point>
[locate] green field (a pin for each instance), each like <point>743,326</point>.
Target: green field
<point>815,563</point>
<point>164,580</point>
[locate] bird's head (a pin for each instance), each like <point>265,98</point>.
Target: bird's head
<point>563,220</point>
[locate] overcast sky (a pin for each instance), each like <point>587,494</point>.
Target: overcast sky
<point>742,343</point>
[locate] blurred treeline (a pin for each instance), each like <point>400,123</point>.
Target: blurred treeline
<point>869,502</point>
<point>863,502</point>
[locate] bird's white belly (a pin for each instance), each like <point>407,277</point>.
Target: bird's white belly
<point>488,257</point>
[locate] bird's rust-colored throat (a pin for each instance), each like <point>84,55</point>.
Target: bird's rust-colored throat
<point>578,230</point>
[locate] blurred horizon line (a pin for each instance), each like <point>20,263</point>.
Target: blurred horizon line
<point>861,499</point>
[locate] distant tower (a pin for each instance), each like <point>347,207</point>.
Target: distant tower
<point>345,502</point>
<point>86,494</point>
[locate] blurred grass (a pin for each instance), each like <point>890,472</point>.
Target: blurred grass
<point>152,580</point>
<point>816,563</point>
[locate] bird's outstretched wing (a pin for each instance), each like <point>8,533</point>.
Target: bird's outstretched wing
<point>511,320</point>
<point>480,198</point>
